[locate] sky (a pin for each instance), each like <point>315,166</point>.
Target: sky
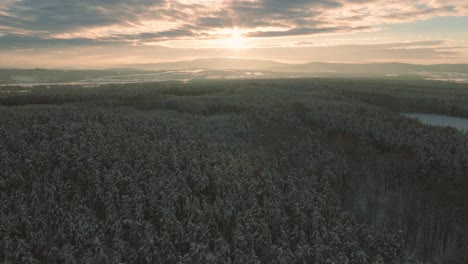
<point>108,33</point>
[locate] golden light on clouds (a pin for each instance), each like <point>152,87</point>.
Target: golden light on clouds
<point>265,29</point>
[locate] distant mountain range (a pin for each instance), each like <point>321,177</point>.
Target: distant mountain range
<point>312,67</point>
<point>378,68</point>
<point>232,68</point>
<point>212,64</point>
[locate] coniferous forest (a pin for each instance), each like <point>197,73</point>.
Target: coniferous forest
<point>317,170</point>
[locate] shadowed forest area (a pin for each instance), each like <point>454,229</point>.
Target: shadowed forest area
<point>322,170</point>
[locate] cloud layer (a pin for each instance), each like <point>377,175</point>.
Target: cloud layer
<point>94,33</point>
<point>140,22</point>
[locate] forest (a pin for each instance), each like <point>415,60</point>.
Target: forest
<point>312,170</point>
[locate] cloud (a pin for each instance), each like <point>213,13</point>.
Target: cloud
<point>306,31</point>
<point>140,21</point>
<point>109,32</point>
<point>23,41</point>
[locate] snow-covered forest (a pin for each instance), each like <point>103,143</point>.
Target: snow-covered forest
<point>244,171</point>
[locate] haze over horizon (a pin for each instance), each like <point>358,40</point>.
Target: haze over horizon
<point>99,34</point>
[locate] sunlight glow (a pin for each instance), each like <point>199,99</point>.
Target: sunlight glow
<point>236,40</point>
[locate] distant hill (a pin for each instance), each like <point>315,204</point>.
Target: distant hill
<point>233,68</point>
<point>312,67</point>
<point>213,63</point>
<point>376,68</point>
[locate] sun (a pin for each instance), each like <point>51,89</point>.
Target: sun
<point>236,40</point>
